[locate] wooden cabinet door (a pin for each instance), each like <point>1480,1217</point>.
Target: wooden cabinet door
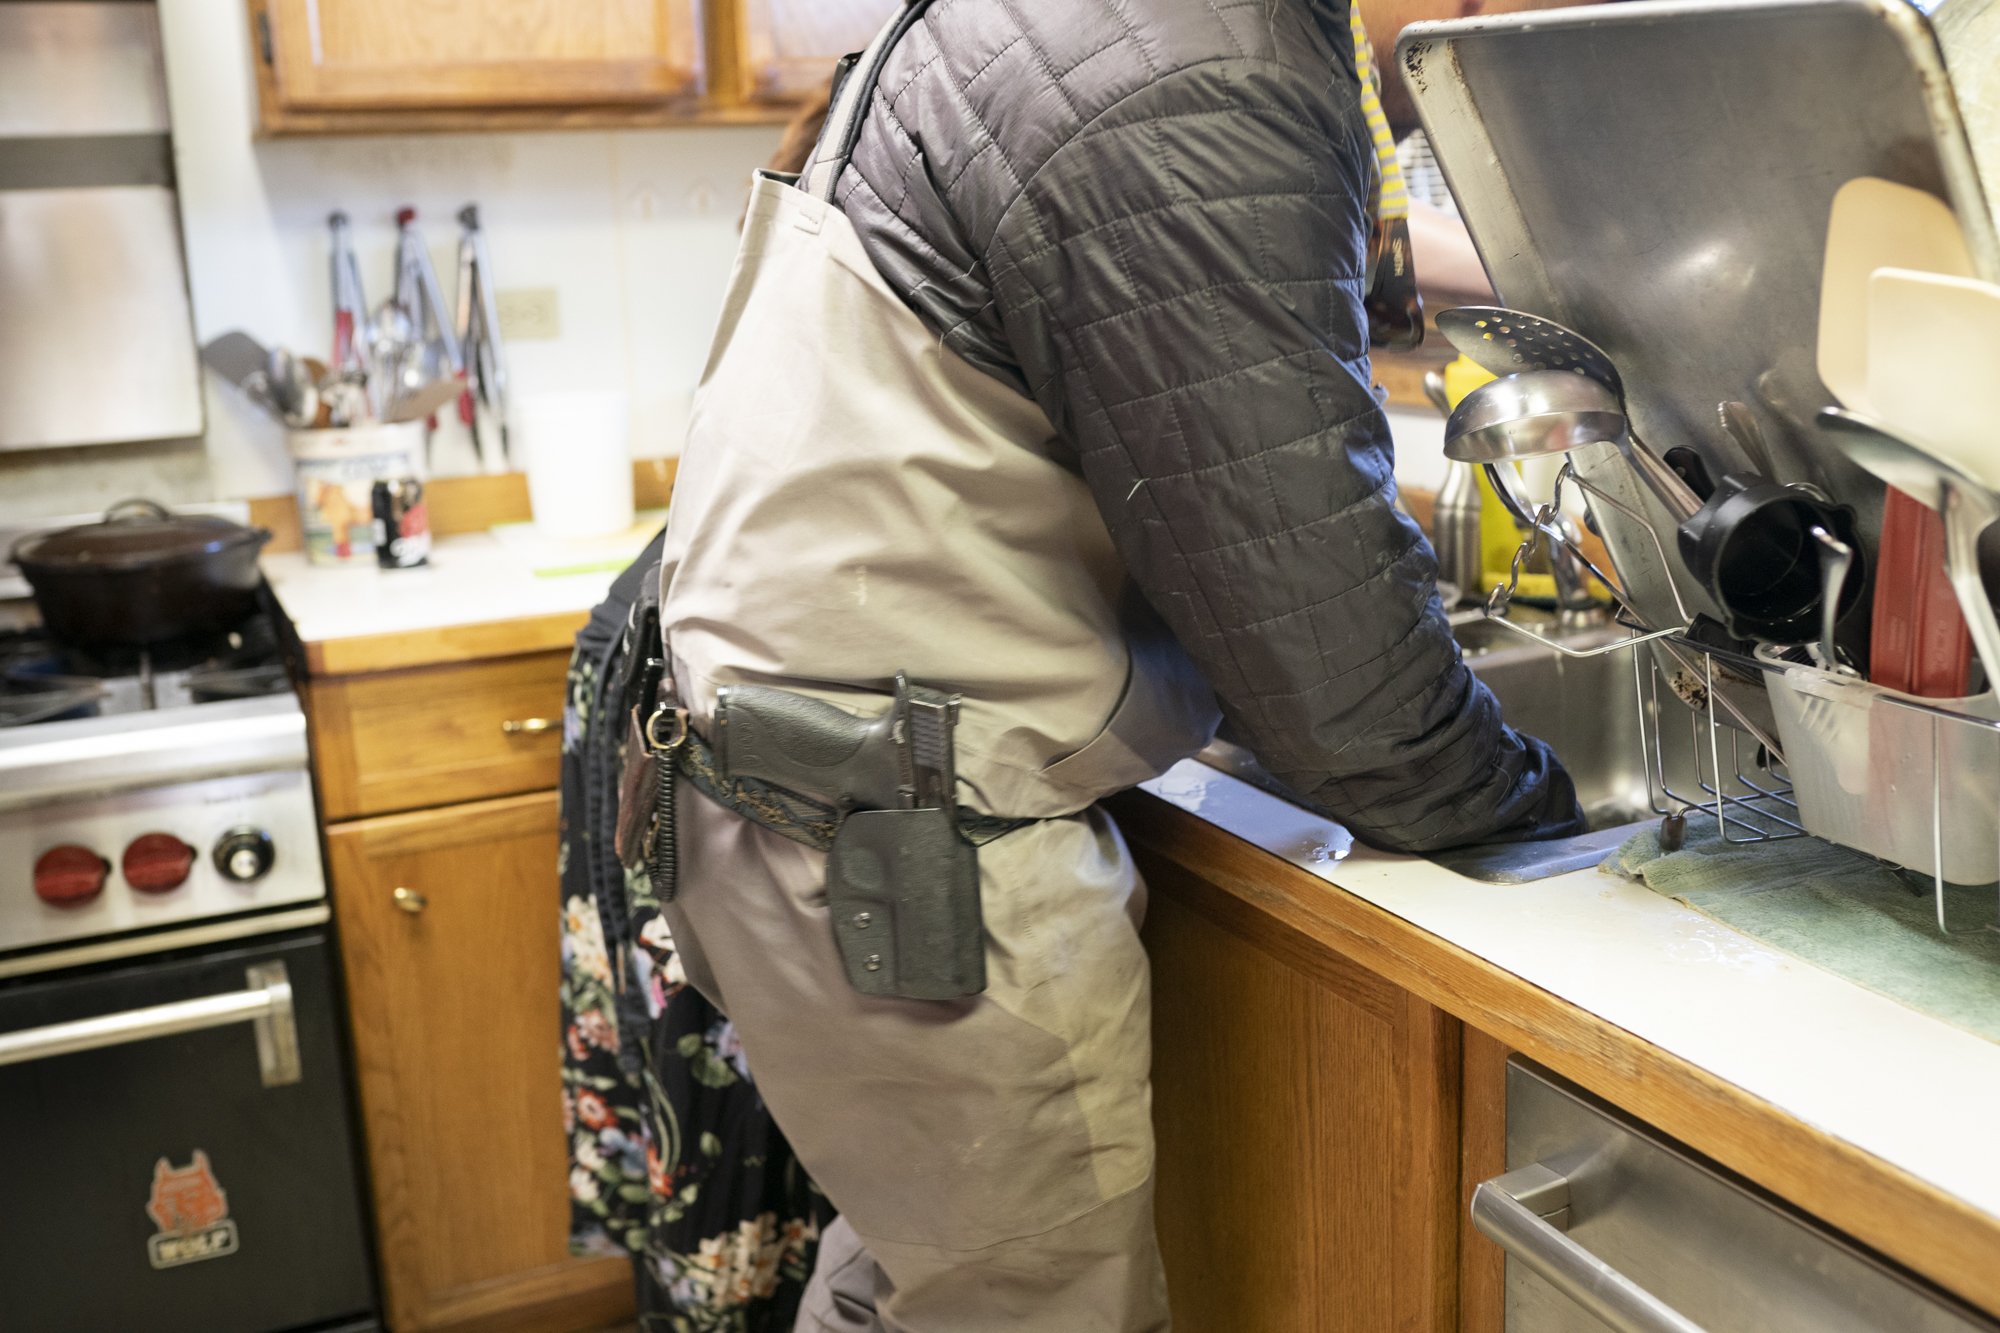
<point>331,55</point>
<point>1307,1117</point>
<point>453,997</point>
<point>788,48</point>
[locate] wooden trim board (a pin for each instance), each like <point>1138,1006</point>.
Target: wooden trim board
<point>1400,375</point>
<point>1941,1237</point>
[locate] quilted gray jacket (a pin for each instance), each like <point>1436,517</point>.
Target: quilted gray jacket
<point>1150,215</point>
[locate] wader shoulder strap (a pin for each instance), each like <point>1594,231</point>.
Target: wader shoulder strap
<point>854,88</point>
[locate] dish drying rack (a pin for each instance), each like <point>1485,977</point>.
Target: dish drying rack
<point>1912,782</point>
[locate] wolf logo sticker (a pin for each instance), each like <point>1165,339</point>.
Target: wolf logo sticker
<point>191,1212</point>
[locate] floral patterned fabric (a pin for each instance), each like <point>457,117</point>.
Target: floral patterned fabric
<point>673,1157</point>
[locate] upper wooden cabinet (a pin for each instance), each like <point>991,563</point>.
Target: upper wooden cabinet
<point>788,47</point>
<point>374,66</point>
<point>333,54</point>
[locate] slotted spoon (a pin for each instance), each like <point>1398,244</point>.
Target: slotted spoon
<point>1507,342</point>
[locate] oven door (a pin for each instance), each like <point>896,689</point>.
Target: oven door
<point>175,1147</point>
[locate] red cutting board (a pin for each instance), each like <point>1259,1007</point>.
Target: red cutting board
<point>1920,643</point>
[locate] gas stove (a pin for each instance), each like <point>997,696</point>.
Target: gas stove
<point>164,941</point>
<point>146,792</point>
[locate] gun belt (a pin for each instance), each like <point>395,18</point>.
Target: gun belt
<point>800,818</point>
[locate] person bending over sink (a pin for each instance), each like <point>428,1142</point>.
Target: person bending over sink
<point>1036,436</point>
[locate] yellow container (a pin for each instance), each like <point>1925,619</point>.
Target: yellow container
<point>1499,535</point>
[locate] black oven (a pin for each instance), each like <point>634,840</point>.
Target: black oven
<point>177,1151</point>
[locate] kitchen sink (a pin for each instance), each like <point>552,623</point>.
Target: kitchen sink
<point>1586,708</point>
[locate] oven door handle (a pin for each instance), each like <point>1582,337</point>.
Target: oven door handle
<point>266,1004</point>
<point>1525,1213</point>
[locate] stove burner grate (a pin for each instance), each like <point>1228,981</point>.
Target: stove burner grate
<point>27,699</point>
<point>44,681</point>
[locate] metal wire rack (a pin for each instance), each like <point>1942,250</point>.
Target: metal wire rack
<point>1750,795</point>
<point>1914,783</point>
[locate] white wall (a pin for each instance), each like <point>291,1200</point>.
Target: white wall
<point>1419,436</point>
<point>633,229</point>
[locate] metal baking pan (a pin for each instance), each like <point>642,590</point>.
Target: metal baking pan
<point>1657,175</point>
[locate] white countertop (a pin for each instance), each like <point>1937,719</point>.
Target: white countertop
<point>471,579</point>
<point>1909,1089</point>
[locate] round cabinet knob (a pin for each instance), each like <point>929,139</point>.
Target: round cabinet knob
<point>157,863</point>
<point>244,854</point>
<point>69,876</point>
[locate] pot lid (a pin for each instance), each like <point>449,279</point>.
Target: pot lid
<point>135,533</point>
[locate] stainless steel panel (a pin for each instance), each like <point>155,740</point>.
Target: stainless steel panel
<point>1729,1258</point>
<point>164,941</point>
<point>80,68</point>
<point>1969,32</point>
<point>201,814</point>
<point>65,162</point>
<point>97,343</point>
<point>1658,175</point>
<point>97,756</point>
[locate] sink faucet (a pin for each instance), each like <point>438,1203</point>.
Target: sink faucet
<point>1575,605</point>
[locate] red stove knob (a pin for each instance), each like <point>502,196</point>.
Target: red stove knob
<point>69,875</point>
<point>157,862</point>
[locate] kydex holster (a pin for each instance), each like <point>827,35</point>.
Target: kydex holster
<point>902,874</point>
<point>902,880</point>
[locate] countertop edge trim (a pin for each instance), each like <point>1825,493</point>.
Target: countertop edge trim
<point>442,645</point>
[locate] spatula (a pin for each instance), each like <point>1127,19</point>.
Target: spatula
<point>1875,224</point>
<point>1933,344</point>
<point>237,357</point>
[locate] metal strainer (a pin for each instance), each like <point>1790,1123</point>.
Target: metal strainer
<point>1506,342</point>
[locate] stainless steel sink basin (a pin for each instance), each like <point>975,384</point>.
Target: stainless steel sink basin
<point>1587,710</point>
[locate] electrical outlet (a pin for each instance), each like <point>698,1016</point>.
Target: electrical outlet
<point>528,314</point>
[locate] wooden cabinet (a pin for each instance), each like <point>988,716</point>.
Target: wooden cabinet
<point>438,785</point>
<point>788,48</point>
<point>448,932</point>
<point>372,66</point>
<point>329,55</point>
<point>1307,1114</point>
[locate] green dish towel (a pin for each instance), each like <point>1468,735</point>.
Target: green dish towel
<point>1839,910</point>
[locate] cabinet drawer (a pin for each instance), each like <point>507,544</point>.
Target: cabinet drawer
<point>406,740</point>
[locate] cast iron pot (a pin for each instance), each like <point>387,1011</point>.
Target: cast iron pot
<point>142,576</point>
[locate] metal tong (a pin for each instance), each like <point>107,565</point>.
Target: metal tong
<point>422,299</point>
<point>478,328</point>
<point>350,306</point>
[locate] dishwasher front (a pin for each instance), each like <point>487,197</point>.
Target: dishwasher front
<point>1608,1223</point>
